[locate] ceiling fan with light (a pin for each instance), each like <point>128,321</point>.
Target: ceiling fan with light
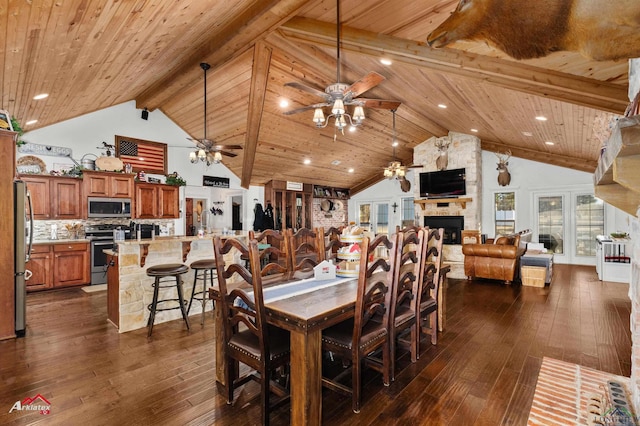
<point>396,169</point>
<point>338,95</point>
<point>207,150</point>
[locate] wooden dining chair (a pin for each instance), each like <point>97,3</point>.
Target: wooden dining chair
<point>247,336</point>
<point>274,258</point>
<point>306,250</point>
<point>355,339</point>
<point>433,275</point>
<point>405,290</point>
<point>332,242</point>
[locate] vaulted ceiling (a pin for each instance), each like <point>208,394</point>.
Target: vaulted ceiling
<point>89,55</point>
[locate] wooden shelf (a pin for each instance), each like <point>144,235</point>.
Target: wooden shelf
<point>462,201</point>
<point>617,178</point>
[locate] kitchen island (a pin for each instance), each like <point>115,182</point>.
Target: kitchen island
<point>129,289</point>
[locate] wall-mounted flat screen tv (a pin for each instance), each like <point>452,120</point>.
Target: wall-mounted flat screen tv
<point>443,184</point>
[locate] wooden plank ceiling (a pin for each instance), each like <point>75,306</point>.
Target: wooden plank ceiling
<point>92,55</point>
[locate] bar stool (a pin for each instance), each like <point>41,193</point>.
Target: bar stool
<point>207,267</point>
<point>166,271</point>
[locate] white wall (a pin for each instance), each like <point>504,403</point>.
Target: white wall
<point>85,133</point>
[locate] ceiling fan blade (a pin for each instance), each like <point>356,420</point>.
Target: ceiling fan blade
<point>306,108</point>
<point>221,147</point>
<point>379,103</point>
<point>309,89</point>
<point>367,82</point>
<point>228,154</point>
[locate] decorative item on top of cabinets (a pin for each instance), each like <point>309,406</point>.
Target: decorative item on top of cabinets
<point>504,177</point>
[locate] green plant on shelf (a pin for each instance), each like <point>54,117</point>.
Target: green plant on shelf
<point>18,129</point>
<point>175,180</point>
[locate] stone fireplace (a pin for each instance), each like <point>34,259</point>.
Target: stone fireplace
<point>464,152</point>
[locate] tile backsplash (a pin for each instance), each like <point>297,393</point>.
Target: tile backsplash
<point>42,228</point>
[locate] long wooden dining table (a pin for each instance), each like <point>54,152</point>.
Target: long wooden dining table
<point>305,312</point>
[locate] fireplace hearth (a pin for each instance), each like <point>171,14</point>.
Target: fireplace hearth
<point>453,226</point>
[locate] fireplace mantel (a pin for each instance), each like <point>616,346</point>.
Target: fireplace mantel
<point>462,201</point>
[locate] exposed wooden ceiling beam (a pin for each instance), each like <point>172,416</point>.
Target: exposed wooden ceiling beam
<point>259,80</point>
<point>564,87</point>
<point>235,38</point>
<point>581,164</point>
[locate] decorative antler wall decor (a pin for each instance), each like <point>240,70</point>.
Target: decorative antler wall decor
<point>504,177</point>
<point>443,154</point>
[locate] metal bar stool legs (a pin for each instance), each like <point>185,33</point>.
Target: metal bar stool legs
<point>208,268</point>
<point>162,274</point>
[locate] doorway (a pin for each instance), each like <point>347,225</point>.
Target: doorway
<point>236,213</point>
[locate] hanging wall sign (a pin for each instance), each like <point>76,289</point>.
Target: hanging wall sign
<point>34,148</point>
<point>218,182</point>
<point>294,186</point>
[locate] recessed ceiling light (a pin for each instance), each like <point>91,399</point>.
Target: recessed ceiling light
<point>474,130</point>
<point>40,96</point>
<point>335,162</point>
<point>528,134</point>
<point>30,122</point>
<point>443,106</point>
<point>351,170</point>
<point>549,143</point>
<point>307,161</point>
<point>385,61</point>
<point>541,118</point>
<point>395,143</point>
<point>284,103</point>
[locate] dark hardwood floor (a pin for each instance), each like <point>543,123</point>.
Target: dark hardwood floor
<point>482,372</point>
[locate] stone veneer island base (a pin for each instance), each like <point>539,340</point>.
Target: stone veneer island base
<point>129,289</point>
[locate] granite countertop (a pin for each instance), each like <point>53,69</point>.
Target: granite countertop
<point>182,238</point>
<point>62,241</point>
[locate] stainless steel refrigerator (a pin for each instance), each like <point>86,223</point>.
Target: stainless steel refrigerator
<point>23,243</point>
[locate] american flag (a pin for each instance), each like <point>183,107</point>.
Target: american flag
<point>149,157</point>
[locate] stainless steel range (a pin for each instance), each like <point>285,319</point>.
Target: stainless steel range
<point>101,237</point>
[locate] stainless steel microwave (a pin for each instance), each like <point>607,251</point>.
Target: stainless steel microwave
<point>108,207</point>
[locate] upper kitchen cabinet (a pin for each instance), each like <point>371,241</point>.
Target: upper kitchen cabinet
<point>157,201</point>
<point>107,184</point>
<point>55,197</point>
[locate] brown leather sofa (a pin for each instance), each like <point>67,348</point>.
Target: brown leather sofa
<point>499,260</point>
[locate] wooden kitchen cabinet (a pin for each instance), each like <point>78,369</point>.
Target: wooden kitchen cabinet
<point>58,265</point>
<point>55,197</point>
<point>71,264</point>
<point>154,201</point>
<point>168,204</point>
<point>107,184</point>
<point>40,266</point>
<point>146,201</point>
